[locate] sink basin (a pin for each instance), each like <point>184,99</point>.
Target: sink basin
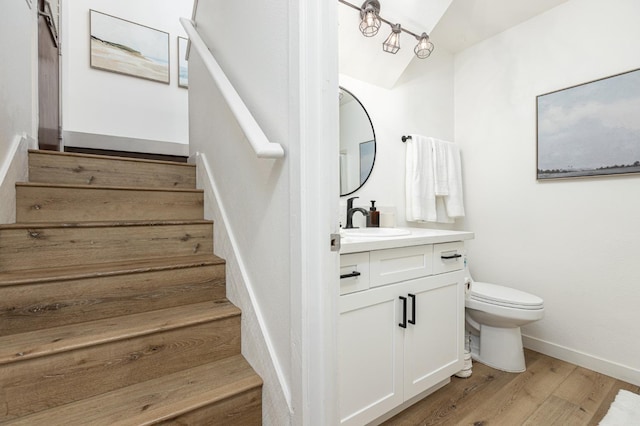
<point>375,232</point>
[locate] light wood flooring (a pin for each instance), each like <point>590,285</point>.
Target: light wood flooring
<point>550,392</point>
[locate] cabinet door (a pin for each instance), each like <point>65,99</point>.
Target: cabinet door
<point>370,355</point>
<point>433,346</point>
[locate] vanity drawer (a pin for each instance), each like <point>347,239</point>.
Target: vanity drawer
<point>353,264</point>
<point>400,264</point>
<point>448,257</point>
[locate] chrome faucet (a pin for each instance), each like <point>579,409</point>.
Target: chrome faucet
<point>351,210</point>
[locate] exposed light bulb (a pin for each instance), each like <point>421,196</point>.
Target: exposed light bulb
<point>392,43</point>
<point>370,22</point>
<point>424,47</point>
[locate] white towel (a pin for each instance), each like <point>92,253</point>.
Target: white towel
<point>440,166</point>
<point>420,193</point>
<point>454,200</point>
<point>433,181</point>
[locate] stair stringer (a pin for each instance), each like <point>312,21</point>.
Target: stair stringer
<point>256,340</point>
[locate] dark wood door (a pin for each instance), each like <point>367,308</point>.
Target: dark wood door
<point>48,79</point>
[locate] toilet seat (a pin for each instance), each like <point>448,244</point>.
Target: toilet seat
<point>504,296</point>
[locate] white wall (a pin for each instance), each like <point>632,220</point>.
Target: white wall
<point>572,242</point>
<point>105,103</point>
<point>253,190</point>
<point>276,228</point>
<point>421,102</point>
<point>256,343</point>
<point>18,97</point>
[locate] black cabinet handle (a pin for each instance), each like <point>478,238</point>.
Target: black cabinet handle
<point>353,274</point>
<point>413,309</point>
<point>453,256</point>
<point>403,324</point>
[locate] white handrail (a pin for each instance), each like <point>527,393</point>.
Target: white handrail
<point>256,137</point>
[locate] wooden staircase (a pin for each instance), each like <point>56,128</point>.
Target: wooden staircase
<point>112,303</point>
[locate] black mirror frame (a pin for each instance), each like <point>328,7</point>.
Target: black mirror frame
<point>375,142</point>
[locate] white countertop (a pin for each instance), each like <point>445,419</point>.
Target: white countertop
<point>418,236</point>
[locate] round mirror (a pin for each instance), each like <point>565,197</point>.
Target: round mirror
<point>357,143</point>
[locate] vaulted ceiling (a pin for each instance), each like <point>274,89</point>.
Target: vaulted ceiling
<point>453,25</point>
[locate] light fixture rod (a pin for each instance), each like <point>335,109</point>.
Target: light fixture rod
<point>350,5</point>
<point>401,28</point>
<point>346,3</point>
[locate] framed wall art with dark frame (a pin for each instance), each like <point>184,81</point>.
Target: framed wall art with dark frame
<point>124,47</point>
<point>591,129</point>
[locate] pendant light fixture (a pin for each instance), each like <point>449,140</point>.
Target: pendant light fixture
<point>424,47</point>
<point>392,43</point>
<point>370,21</point>
<point>370,24</point>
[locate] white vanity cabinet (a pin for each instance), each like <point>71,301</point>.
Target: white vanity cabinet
<point>401,326</point>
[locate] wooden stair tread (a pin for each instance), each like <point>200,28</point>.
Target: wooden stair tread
<point>72,168</point>
<point>76,202</point>
<point>54,244</point>
<point>114,309</point>
<point>66,273</point>
<point>105,187</point>
<point>33,344</point>
<point>111,157</point>
<point>156,400</point>
<point>108,224</point>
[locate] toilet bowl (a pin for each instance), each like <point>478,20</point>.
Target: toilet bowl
<point>494,315</point>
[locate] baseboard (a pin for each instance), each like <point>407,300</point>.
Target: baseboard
<point>121,143</point>
<point>14,168</point>
<point>610,368</point>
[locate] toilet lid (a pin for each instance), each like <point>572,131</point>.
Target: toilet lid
<point>504,296</point>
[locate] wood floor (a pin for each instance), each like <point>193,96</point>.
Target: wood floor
<point>550,392</point>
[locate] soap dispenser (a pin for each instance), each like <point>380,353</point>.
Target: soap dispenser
<point>373,220</point>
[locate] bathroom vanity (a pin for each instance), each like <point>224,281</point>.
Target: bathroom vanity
<point>401,326</point>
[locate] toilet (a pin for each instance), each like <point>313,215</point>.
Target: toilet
<point>494,315</point>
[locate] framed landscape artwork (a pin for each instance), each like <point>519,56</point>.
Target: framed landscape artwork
<point>183,65</point>
<point>591,129</point>
<point>124,47</point>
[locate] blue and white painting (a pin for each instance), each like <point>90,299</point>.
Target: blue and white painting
<point>591,129</point>
<point>125,47</point>
<point>183,65</point>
